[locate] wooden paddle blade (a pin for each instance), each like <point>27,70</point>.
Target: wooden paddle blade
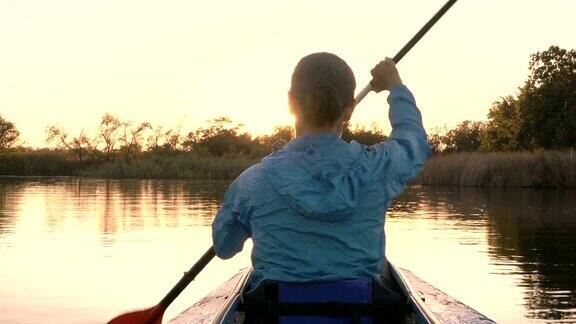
<point>146,316</point>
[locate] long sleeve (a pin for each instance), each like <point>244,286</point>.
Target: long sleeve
<point>228,231</point>
<point>399,159</point>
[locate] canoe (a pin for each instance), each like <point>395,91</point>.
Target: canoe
<point>427,304</point>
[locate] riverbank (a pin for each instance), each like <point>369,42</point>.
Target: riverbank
<point>540,169</point>
<point>176,166</point>
<point>166,165</point>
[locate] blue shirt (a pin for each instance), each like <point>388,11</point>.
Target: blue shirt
<point>315,209</point>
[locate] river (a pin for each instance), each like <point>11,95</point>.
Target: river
<point>83,250</point>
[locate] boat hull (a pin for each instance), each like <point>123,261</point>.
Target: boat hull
<point>429,304</point>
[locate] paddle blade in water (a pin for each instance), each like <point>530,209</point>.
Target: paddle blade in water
<point>147,316</point>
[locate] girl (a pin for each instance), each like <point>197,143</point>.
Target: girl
<point>315,209</point>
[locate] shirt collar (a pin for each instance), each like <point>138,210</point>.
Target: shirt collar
<point>311,141</point>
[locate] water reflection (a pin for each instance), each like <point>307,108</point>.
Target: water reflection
<point>131,205</point>
<point>530,232</point>
<point>536,230</point>
<point>521,242</point>
<point>82,250</point>
<point>9,196</point>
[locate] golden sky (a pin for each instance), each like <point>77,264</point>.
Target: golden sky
<point>179,63</point>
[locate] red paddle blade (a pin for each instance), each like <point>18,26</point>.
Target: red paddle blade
<point>146,316</point>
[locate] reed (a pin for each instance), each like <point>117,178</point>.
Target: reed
<point>502,169</point>
<point>186,165</point>
<point>38,163</point>
<point>178,164</point>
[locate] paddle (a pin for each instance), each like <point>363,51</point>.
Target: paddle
<point>154,314</point>
<point>410,44</point>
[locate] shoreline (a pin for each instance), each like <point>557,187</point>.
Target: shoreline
<point>539,169</point>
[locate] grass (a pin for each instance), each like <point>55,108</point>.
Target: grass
<point>503,169</point>
<point>38,163</point>
<point>177,166</point>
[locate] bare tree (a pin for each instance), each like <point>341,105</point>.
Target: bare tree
<point>109,128</point>
<point>172,139</point>
<point>131,140</point>
<point>82,146</point>
<point>189,141</point>
<point>58,135</point>
<point>8,134</point>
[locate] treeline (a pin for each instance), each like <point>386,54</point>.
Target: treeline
<point>528,140</point>
<point>122,149</point>
<point>118,140</point>
<point>542,115</point>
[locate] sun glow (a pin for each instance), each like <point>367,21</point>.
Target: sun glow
<point>182,63</point>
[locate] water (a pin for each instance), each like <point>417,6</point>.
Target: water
<point>82,251</point>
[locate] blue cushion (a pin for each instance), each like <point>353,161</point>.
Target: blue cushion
<point>345,291</point>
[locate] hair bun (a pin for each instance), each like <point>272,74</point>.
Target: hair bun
<point>322,86</point>
<point>322,107</point>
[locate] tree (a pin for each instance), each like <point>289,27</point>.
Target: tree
<point>465,137</point>
<point>8,134</point>
<point>221,137</point>
<point>155,139</point>
<point>172,139</point>
<point>502,131</point>
<point>436,139</point>
<point>280,136</point>
<point>131,140</point>
<point>81,146</point>
<point>543,113</point>
<point>547,102</point>
<point>363,135</point>
<point>109,128</point>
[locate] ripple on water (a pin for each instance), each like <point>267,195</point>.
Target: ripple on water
<point>511,253</point>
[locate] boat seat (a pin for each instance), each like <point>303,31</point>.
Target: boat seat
<point>355,301</point>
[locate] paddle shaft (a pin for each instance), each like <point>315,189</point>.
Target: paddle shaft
<point>410,44</point>
<point>183,283</point>
<point>158,311</point>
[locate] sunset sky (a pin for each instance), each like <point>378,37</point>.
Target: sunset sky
<point>179,63</point>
